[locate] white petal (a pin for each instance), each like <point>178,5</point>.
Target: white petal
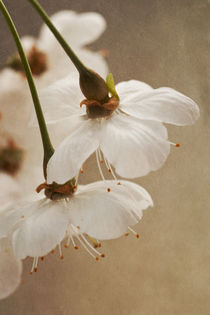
<point>42,231</point>
<point>73,151</point>
<point>12,215</point>
<point>62,99</point>
<point>10,269</point>
<point>128,88</point>
<point>28,42</point>
<point>133,146</point>
<point>77,29</point>
<point>163,104</point>
<point>106,215</point>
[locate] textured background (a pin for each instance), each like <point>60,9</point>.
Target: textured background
<point>166,271</point>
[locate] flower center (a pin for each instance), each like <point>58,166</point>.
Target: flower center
<point>37,61</point>
<point>56,191</point>
<point>96,109</point>
<point>11,158</point>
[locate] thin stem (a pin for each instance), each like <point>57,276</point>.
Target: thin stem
<point>48,148</point>
<point>76,61</point>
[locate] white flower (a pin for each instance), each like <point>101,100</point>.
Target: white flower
<point>48,60</point>
<point>133,138</point>
<point>10,266</point>
<point>103,210</point>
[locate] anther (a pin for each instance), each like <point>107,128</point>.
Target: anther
<point>76,247</point>
<point>177,145</point>
<point>109,170</point>
<point>42,258</point>
<point>22,217</point>
<point>118,183</point>
<point>66,245</point>
<point>62,257</point>
<point>134,232</point>
<point>78,227</point>
<point>52,251</point>
<point>99,245</point>
<point>101,161</point>
<point>30,273</point>
<point>74,187</point>
<point>35,269</point>
<point>126,234</point>
<point>102,255</point>
<point>81,171</point>
<point>97,258</point>
<point>108,189</point>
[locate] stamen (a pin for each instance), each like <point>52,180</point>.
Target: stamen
<point>175,144</point>
<point>42,258</point>
<point>108,189</point>
<point>91,247</point>
<point>110,170</point>
<point>33,266</point>
<point>134,232</point>
<point>100,156</point>
<point>85,247</point>
<point>60,251</point>
<point>75,247</point>
<point>36,264</point>
<point>126,234</point>
<point>68,242</point>
<point>99,166</point>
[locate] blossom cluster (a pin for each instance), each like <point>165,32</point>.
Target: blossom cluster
<point>126,131</point>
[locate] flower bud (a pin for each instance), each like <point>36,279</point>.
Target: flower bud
<point>93,86</point>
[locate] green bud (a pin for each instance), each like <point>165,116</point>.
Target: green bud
<point>111,86</point>
<point>93,86</point>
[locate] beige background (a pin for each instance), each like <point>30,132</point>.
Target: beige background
<point>166,271</point>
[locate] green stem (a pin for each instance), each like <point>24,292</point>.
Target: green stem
<point>76,61</point>
<point>48,148</point>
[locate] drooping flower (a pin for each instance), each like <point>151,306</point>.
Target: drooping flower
<point>130,133</point>
<point>102,210</point>
<point>10,266</point>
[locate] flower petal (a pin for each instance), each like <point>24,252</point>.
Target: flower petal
<point>11,216</point>
<point>42,231</point>
<point>128,88</point>
<point>62,99</point>
<point>133,146</point>
<point>105,214</point>
<point>10,269</point>
<point>73,151</point>
<point>28,42</point>
<point>77,29</point>
<point>163,104</point>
